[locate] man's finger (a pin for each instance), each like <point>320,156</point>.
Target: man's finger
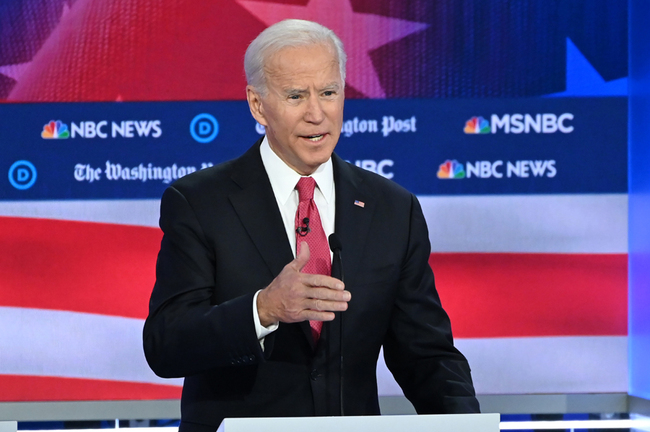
<point>316,280</point>
<point>329,294</point>
<point>326,305</point>
<point>313,315</point>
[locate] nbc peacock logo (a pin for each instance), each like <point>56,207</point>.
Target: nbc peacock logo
<point>451,169</point>
<point>477,125</point>
<point>55,130</point>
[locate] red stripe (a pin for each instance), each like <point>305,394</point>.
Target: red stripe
<point>511,295</point>
<point>18,388</point>
<point>109,269</point>
<point>77,266</point>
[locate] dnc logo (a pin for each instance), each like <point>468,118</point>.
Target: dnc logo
<point>204,128</point>
<point>55,130</point>
<point>477,125</point>
<point>451,169</point>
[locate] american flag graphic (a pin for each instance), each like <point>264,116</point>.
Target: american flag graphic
<point>537,298</point>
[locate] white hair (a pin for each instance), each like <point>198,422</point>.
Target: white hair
<point>287,33</point>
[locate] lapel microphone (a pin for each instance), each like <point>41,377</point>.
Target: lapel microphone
<point>336,247</point>
<point>303,231</point>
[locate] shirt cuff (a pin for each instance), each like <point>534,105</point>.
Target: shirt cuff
<point>261,331</point>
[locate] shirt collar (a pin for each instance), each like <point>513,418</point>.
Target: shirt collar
<point>284,179</point>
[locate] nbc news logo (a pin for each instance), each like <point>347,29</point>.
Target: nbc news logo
<point>55,130</point>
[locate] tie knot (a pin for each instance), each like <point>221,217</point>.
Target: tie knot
<point>305,188</point>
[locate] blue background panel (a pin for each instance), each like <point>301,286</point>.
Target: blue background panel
<point>639,196</point>
<point>407,140</point>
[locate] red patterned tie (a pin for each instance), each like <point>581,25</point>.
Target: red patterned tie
<point>309,229</point>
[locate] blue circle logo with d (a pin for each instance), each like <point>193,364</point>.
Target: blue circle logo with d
<point>204,128</point>
<point>22,174</point>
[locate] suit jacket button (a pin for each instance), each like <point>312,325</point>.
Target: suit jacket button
<point>314,375</point>
<point>251,359</point>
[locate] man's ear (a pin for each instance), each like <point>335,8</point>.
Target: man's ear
<point>255,105</point>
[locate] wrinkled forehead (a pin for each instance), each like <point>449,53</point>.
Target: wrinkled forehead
<point>312,59</point>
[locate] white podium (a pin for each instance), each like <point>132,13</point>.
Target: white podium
<point>410,423</point>
<point>8,426</point>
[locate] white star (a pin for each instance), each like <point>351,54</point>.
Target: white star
<point>360,33</point>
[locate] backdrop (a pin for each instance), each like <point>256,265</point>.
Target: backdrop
<point>507,119</point>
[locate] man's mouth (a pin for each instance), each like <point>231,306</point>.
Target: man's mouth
<point>314,138</point>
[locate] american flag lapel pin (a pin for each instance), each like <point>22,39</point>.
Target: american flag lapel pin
<point>359,203</point>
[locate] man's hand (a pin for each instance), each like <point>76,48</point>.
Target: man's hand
<point>294,296</point>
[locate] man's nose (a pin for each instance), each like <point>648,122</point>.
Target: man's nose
<point>314,112</point>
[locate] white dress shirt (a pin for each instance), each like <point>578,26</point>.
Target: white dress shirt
<point>283,182</point>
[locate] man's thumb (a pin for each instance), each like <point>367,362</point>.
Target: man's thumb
<point>302,256</point>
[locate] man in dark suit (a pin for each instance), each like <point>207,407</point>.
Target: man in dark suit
<point>244,306</point>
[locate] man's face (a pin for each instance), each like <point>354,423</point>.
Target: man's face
<point>303,108</point>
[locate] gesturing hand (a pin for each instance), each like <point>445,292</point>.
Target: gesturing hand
<point>294,296</point>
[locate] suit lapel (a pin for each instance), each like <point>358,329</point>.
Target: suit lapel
<point>258,211</point>
<point>354,211</point>
<point>352,226</point>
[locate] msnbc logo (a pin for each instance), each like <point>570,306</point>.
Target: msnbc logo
<point>55,130</point>
<point>546,123</point>
<point>477,125</point>
<point>451,169</point>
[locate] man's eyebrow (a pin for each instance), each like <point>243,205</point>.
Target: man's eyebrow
<point>329,86</point>
<point>294,90</point>
<point>332,86</point>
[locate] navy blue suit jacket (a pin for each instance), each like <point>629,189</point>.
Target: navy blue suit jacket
<point>224,239</point>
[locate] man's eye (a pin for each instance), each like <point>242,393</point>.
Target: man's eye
<point>328,93</point>
<point>294,97</point>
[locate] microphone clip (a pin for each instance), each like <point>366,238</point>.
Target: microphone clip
<point>303,231</point>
